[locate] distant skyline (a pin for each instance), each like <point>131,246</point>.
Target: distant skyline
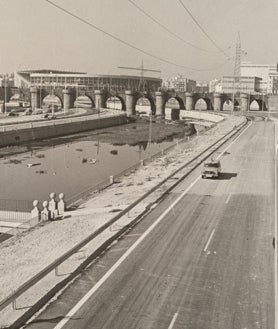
<point>36,35</point>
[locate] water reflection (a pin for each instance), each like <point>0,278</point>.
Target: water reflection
<point>70,168</point>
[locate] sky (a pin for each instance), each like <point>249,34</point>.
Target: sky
<point>37,35</point>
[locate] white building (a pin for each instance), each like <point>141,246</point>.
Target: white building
<point>179,83</point>
<point>215,86</point>
<point>245,84</point>
<point>268,73</point>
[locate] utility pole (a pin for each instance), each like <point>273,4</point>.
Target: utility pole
<point>5,94</point>
<point>142,81</point>
<point>41,93</point>
<point>77,94</point>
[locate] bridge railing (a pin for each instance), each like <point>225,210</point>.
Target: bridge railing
<point>16,205</point>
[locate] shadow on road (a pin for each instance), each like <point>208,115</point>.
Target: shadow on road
<point>227,175</point>
<point>4,237</point>
<point>52,320</point>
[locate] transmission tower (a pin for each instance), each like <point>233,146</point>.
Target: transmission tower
<point>238,57</point>
<point>237,65</point>
<point>237,74</point>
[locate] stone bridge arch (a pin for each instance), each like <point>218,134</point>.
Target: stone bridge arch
<point>149,97</point>
<point>206,99</point>
<point>6,94</point>
<point>261,101</point>
<point>45,93</point>
<point>115,95</point>
<point>82,93</point>
<point>178,99</point>
<point>235,102</point>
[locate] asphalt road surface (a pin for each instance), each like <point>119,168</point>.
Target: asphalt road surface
<point>208,263</point>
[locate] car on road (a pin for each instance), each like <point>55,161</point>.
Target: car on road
<point>211,169</point>
<point>38,111</point>
<point>13,114</point>
<point>51,117</point>
<point>28,111</point>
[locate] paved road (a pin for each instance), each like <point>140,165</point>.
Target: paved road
<point>208,264</point>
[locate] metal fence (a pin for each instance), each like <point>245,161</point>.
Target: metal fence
<point>14,216</point>
<point>16,205</point>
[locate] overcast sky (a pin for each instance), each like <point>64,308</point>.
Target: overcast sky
<point>35,34</point>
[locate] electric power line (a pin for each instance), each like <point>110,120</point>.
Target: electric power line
<point>202,29</point>
<point>168,30</point>
<point>120,40</point>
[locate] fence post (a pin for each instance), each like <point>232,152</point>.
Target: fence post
<point>111,179</point>
<point>35,213</point>
<point>53,206</point>
<point>45,212</point>
<point>61,204</point>
<point>14,304</point>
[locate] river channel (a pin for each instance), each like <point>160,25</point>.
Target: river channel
<point>71,167</point>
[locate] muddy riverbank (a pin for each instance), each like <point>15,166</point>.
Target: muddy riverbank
<point>137,132</point>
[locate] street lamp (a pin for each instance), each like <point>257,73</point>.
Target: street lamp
<point>76,101</point>
<point>53,86</point>
<point>5,94</point>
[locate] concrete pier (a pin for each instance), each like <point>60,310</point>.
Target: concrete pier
<point>34,98</point>
<point>100,99</point>
<point>160,104</point>
<point>130,103</point>
<point>244,102</point>
<point>217,104</point>
<point>189,101</point>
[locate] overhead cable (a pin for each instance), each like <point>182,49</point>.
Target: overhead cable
<point>168,30</point>
<point>120,40</point>
<point>202,29</point>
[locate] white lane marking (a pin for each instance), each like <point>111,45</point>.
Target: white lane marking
<point>173,321</point>
<point>211,235</point>
<point>118,250</point>
<point>129,251</point>
<point>220,155</point>
<point>118,263</point>
<point>228,198</point>
<point>275,230</point>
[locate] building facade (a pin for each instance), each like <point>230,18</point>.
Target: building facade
<point>6,80</point>
<point>267,72</point>
<point>54,78</point>
<point>179,83</point>
<point>243,84</point>
<point>202,87</point>
<point>215,86</point>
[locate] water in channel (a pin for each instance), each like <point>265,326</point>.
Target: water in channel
<point>70,168</point>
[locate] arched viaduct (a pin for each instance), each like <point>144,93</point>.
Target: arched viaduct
<point>158,100</point>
